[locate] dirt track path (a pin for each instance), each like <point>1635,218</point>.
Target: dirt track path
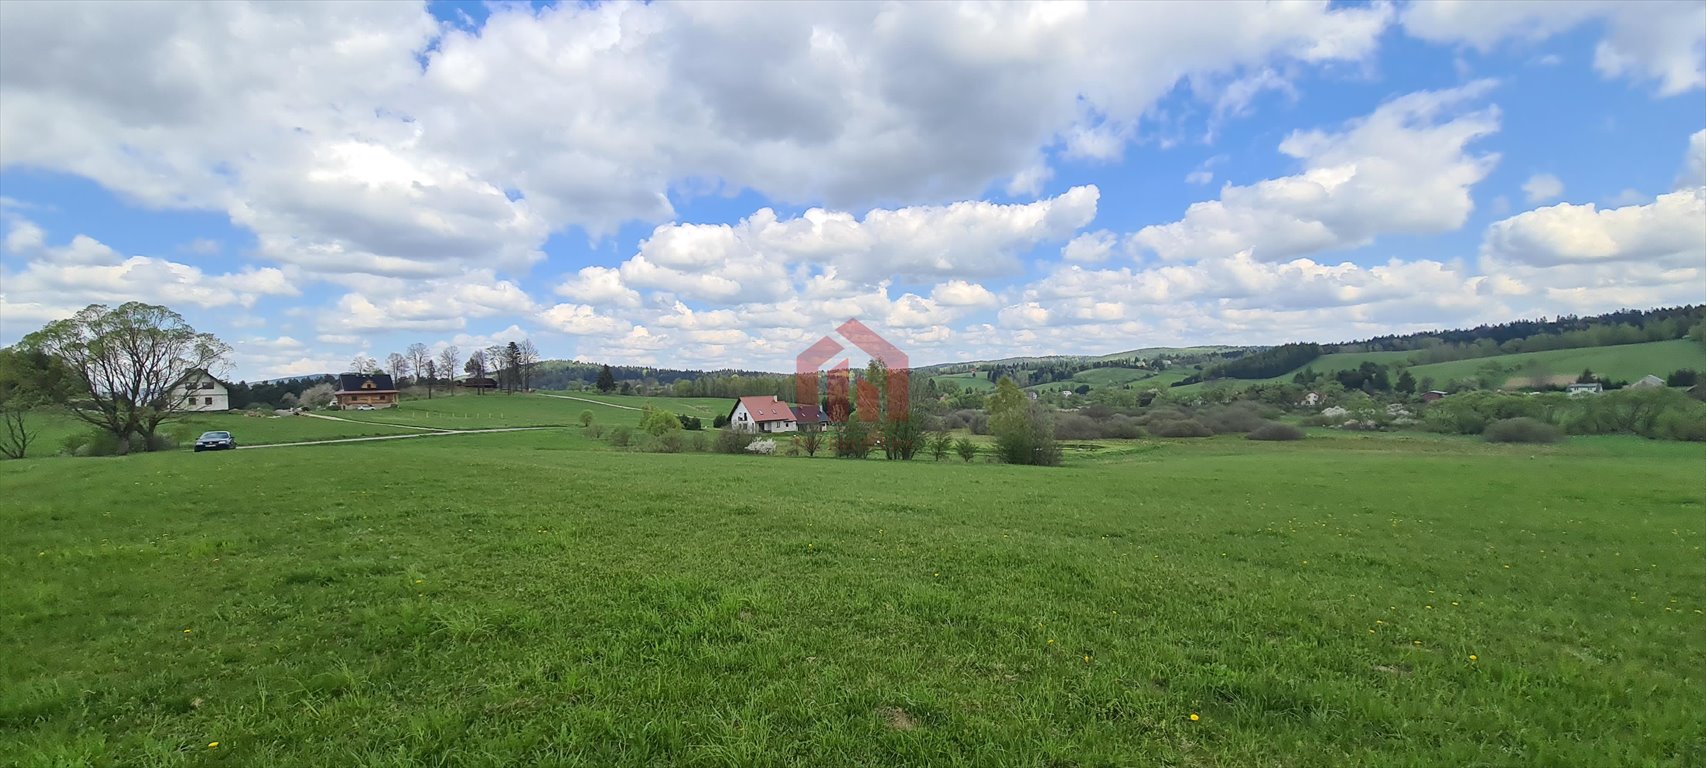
<point>436,433</point>
<point>594,402</point>
<point>376,423</point>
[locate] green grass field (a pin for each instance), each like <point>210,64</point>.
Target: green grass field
<point>1628,362</point>
<point>55,428</point>
<point>467,411</point>
<point>518,599</point>
<point>966,381</point>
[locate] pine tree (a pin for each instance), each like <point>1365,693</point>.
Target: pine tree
<point>606,381</point>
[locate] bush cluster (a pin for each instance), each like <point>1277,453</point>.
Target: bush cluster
<point>1274,430</point>
<point>1521,429</point>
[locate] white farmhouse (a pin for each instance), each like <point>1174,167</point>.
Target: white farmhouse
<point>200,391</point>
<point>769,414</point>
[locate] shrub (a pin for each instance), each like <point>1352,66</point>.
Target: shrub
<point>1180,428</point>
<point>621,437</point>
<point>668,442</point>
<point>1684,425</point>
<point>699,443</point>
<point>732,441</point>
<point>1274,430</point>
<point>1073,426</point>
<point>657,421</point>
<point>1241,416</point>
<point>690,422</point>
<point>763,447</point>
<point>91,443</point>
<point>586,418</point>
<point>719,421</point>
<point>595,430</point>
<point>853,439</point>
<point>966,449</point>
<point>1024,434</point>
<point>1521,429</point>
<point>1121,427</point>
<point>941,444</point>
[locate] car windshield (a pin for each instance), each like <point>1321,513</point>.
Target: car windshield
<point>215,435</point>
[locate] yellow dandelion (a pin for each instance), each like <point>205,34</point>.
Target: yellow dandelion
<point>1194,717</point>
<point>1473,657</point>
<point>1051,641</point>
<point>212,744</point>
<point>1086,658</point>
<point>186,631</point>
<point>419,581</point>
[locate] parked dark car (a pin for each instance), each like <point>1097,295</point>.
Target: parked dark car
<point>215,441</point>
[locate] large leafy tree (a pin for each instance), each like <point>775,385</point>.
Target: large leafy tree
<point>125,364</point>
<point>606,381</point>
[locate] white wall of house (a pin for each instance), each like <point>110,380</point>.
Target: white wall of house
<point>203,394</point>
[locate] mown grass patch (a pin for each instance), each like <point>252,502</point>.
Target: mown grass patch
<point>488,600</point>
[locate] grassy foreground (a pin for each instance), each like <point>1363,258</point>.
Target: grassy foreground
<point>514,599</point>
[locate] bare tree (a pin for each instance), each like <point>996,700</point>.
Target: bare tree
<point>476,369</point>
<point>364,365</point>
<point>448,359</point>
<point>127,365</point>
<point>431,373</point>
<point>527,360</point>
<point>419,356</point>
<point>495,363</point>
<point>398,366</point>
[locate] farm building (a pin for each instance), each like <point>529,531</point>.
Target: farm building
<point>1648,381</point>
<point>761,413</point>
<point>1312,399</point>
<point>1432,395</point>
<point>370,389</point>
<point>1585,388</point>
<point>201,391</point>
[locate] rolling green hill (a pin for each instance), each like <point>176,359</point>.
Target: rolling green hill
<point>1627,362</point>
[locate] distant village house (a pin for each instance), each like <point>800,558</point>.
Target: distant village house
<point>1584,388</point>
<point>371,389</point>
<point>200,391</point>
<point>1432,395</point>
<point>1648,381</point>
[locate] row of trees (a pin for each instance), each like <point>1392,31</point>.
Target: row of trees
<point>510,367</point>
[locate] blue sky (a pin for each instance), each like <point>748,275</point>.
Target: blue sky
<point>712,185</point>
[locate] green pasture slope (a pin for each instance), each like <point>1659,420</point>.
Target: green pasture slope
<point>973,381</point>
<point>1627,362</point>
<point>534,598</point>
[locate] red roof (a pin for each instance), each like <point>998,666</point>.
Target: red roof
<point>767,408</point>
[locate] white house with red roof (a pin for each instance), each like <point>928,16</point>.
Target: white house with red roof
<point>768,413</point>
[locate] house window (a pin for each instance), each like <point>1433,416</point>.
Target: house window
<point>207,401</point>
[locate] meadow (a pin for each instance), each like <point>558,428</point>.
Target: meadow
<point>1624,362</point>
<point>539,598</point>
<point>54,429</point>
